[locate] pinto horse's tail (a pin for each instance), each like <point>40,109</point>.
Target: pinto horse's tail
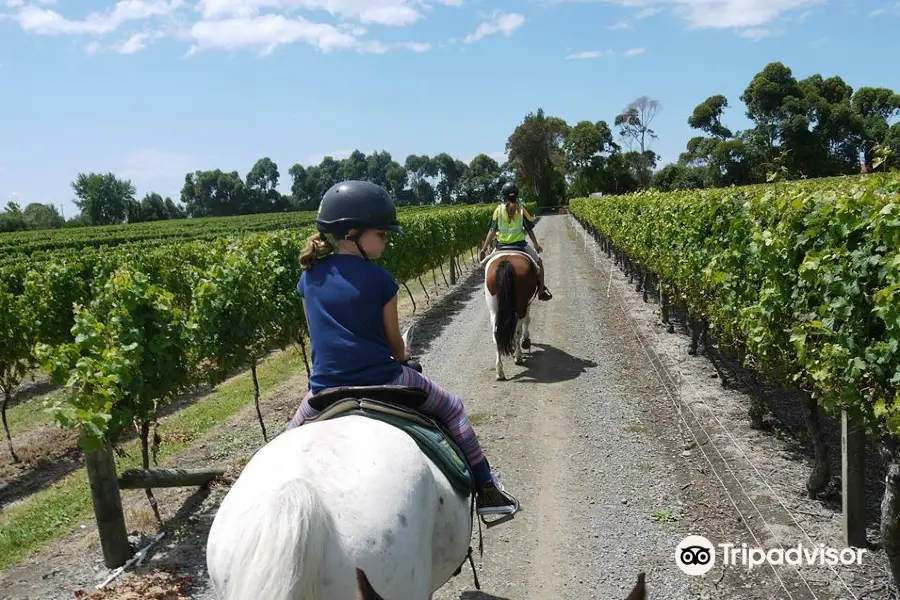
<point>272,549</point>
<point>507,308</point>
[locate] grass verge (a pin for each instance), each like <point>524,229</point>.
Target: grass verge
<point>29,525</point>
<point>29,415</point>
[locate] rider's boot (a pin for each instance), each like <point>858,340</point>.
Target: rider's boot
<point>543,293</point>
<point>492,499</point>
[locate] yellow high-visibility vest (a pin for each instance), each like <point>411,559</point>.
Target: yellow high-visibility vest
<point>510,232</point>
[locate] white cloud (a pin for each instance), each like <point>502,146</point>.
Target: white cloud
<point>716,14</point>
<point>737,14</point>
<point>589,54</point>
<point>93,47</point>
<point>231,25</point>
<point>499,22</point>
<point>266,32</point>
<point>644,13</point>
<point>130,45</point>
<point>647,12</point>
<point>18,3</point>
<point>49,22</point>
<point>416,46</point>
<point>635,51</point>
<point>135,43</point>
<point>381,12</point>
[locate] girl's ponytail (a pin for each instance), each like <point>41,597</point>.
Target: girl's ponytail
<point>317,247</point>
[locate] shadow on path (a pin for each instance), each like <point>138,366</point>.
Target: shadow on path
<point>479,596</point>
<point>550,365</point>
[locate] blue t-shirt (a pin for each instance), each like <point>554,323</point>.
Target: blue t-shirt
<point>345,297</point>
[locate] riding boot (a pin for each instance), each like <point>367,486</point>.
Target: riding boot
<point>490,497</point>
<point>543,293</point>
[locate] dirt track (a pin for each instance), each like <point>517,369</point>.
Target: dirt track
<point>587,435</point>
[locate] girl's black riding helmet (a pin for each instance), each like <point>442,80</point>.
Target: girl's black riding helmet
<point>356,204</point>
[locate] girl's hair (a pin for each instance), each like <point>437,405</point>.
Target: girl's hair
<point>317,247</point>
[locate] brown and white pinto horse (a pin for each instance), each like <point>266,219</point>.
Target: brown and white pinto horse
<point>510,285</point>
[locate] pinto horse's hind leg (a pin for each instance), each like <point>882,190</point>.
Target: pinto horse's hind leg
<point>526,337</point>
<point>519,328</point>
<point>492,310</point>
<point>499,365</point>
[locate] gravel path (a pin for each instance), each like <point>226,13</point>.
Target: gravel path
<point>562,432</point>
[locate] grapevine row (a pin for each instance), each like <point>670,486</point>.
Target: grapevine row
<point>803,278</point>
<point>130,327</point>
<point>49,244</point>
<point>28,242</point>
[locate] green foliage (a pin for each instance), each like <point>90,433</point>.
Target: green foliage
<point>130,327</point>
<point>47,244</point>
<point>102,197</point>
<point>129,352</point>
<point>804,277</point>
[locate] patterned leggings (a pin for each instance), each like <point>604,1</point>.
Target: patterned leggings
<point>441,405</point>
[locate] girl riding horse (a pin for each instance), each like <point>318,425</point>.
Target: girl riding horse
<point>351,309</point>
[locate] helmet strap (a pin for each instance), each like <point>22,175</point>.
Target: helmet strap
<point>355,240</point>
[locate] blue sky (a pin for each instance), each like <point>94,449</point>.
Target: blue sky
<point>153,89</point>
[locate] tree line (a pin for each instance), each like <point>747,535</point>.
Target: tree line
<point>104,198</point>
<point>810,128</point>
<point>814,127</point>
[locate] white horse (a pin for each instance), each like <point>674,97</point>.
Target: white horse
<point>341,509</point>
<point>348,508</point>
<point>510,285</point>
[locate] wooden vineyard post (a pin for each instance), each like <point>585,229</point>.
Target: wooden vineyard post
<point>853,482</point>
<point>101,470</point>
<point>452,269</point>
<point>138,479</point>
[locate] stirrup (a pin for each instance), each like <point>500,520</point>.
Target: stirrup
<point>507,511</point>
<point>495,522</point>
<point>503,516</point>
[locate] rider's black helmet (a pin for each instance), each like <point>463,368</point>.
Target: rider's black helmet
<point>356,204</point>
<point>509,189</point>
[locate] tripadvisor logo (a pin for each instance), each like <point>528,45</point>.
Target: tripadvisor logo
<point>696,555</point>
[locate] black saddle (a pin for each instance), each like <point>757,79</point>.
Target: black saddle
<point>407,397</point>
<point>503,248</point>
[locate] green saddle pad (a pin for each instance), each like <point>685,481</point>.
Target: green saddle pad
<point>436,445</point>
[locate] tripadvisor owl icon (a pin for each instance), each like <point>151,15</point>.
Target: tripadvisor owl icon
<point>695,555</point>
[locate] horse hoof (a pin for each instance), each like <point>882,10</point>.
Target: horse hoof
<point>526,344</point>
<point>501,377</point>
<point>520,362</point>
